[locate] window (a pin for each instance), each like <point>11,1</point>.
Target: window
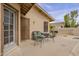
<point>45,26</point>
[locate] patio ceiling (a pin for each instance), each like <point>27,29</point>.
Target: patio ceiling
<point>25,7</point>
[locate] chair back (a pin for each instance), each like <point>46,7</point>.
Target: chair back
<point>35,34</point>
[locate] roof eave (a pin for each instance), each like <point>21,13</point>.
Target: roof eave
<point>51,18</point>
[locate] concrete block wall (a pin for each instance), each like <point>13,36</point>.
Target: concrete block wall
<point>69,31</point>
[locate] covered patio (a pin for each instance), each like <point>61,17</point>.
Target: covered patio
<point>63,46</point>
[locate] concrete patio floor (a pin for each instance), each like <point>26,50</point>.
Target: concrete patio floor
<point>63,46</point>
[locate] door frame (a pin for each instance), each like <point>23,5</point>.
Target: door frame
<point>2,25</point>
<point>9,45</point>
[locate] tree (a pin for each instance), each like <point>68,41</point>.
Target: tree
<point>66,20</point>
<point>70,19</point>
<point>73,23</point>
<point>74,15</point>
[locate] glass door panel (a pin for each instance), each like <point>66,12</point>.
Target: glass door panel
<point>9,27</point>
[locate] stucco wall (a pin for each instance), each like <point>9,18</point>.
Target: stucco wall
<point>57,25</point>
<point>36,20</point>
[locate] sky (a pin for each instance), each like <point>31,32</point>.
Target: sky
<point>58,10</point>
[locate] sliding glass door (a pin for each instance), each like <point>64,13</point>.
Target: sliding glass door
<point>9,28</point>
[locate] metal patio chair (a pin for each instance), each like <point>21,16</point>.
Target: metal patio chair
<point>53,34</point>
<point>38,37</point>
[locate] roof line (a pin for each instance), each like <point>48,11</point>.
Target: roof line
<point>39,7</point>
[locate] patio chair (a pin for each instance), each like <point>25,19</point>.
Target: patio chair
<point>53,34</point>
<point>38,37</point>
<point>46,34</point>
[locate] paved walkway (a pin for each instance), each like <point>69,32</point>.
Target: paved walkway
<point>63,46</point>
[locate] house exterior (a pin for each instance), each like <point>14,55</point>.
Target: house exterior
<point>18,21</point>
<point>57,25</point>
<point>38,17</point>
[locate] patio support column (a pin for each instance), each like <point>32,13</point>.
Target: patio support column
<point>19,28</point>
<point>0,29</point>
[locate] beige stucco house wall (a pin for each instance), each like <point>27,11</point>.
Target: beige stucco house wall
<point>36,17</point>
<point>37,20</point>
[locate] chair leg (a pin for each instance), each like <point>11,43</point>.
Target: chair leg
<point>41,42</point>
<point>34,43</point>
<point>53,39</point>
<point>47,39</point>
<point>40,45</point>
